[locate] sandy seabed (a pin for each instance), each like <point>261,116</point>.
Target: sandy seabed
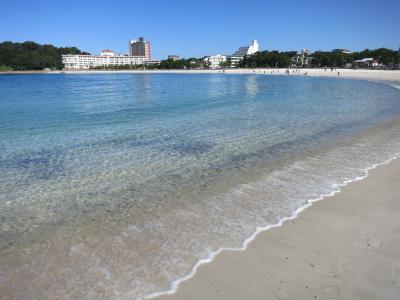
<point>345,247</point>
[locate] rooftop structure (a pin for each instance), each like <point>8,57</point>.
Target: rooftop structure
<point>364,60</point>
<point>173,57</point>
<point>304,52</point>
<point>343,51</point>
<point>107,52</point>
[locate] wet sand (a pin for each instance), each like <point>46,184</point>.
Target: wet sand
<point>344,247</point>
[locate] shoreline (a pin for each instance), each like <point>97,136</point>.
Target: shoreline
<point>259,232</point>
<point>227,276</point>
<point>195,284</point>
<point>191,281</point>
<point>390,77</point>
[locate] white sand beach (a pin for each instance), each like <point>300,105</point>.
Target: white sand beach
<point>346,246</point>
<point>389,76</point>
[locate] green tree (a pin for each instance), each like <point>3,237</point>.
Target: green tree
<point>32,56</point>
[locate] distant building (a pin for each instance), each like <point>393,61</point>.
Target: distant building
<point>244,51</point>
<point>139,54</point>
<point>151,62</point>
<point>107,58</point>
<point>343,51</point>
<point>367,63</point>
<point>140,48</point>
<point>107,52</point>
<point>247,50</point>
<point>173,57</point>
<point>302,59</point>
<point>214,61</point>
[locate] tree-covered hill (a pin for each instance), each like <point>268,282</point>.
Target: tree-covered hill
<point>32,56</point>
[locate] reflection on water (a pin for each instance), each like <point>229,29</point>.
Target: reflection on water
<point>251,85</point>
<point>216,86</point>
<point>144,85</point>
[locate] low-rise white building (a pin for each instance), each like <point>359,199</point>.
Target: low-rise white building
<point>215,61</point>
<point>107,58</point>
<point>302,58</point>
<point>367,63</point>
<point>235,60</point>
<point>152,62</point>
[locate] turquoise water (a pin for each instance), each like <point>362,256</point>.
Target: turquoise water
<point>120,183</point>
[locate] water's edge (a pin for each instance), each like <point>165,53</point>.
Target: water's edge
<point>244,245</point>
<point>337,189</point>
<point>123,186</point>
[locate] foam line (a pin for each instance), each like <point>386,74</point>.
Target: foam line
<point>336,189</point>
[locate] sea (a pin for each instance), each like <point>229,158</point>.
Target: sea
<point>119,185</point>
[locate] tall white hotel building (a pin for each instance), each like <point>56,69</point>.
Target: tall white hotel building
<point>238,56</point>
<point>139,54</point>
<point>216,60</point>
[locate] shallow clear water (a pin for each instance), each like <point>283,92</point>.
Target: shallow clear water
<point>115,185</point>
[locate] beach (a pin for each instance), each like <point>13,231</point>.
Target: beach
<point>388,76</point>
<point>344,247</point>
<point>198,187</point>
<point>200,152</point>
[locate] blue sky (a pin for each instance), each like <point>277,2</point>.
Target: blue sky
<point>197,28</point>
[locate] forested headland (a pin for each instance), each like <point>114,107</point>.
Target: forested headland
<point>32,56</point>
